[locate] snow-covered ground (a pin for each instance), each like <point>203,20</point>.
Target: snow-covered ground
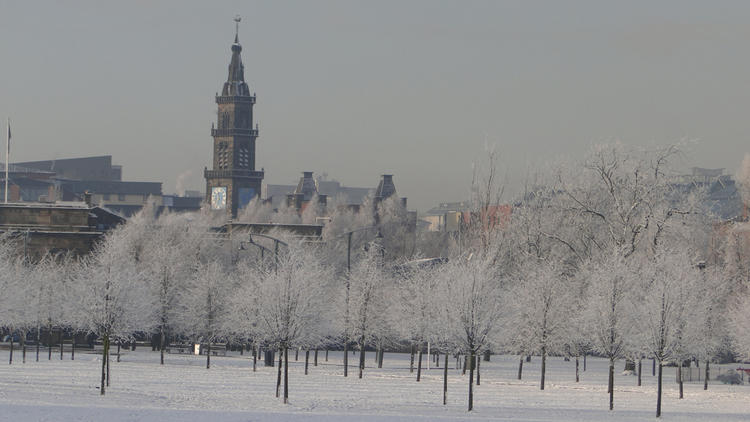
<point>183,389</point>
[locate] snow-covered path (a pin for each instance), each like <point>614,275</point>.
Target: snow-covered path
<point>184,390</point>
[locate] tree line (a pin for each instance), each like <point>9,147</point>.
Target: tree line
<point>610,255</point>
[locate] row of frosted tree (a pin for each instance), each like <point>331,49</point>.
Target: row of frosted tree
<point>613,256</point>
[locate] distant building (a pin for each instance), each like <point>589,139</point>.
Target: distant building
<point>85,168</point>
<point>70,178</point>
<point>458,216</point>
<point>445,217</point>
<point>63,227</point>
<point>233,180</point>
<point>306,191</point>
<point>722,198</point>
<point>332,189</point>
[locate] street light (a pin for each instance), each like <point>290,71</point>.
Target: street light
<point>269,357</point>
<point>348,235</point>
<point>276,243</point>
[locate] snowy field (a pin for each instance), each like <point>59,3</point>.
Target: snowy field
<point>184,390</point>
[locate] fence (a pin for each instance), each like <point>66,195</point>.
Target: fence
<point>695,374</point>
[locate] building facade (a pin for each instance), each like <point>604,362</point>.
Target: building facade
<point>233,180</point>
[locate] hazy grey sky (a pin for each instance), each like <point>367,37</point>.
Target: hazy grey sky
<point>358,88</point>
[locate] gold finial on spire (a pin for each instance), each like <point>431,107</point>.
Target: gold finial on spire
<point>237,20</point>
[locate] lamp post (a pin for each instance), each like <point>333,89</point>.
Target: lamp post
<point>269,357</point>
<point>276,243</point>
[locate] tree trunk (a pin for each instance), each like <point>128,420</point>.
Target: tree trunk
<point>419,364</point>
<point>584,362</point>
<point>315,358</point>
<point>61,343</point>
<point>487,355</point>
<point>346,358</point>
<point>255,358</point>
<point>278,373</point>
<point>479,360</point>
<point>38,340</point>
<point>463,372</point>
<point>520,368</point>
<point>118,351</point>
<point>658,391</point>
<point>326,355</point>
<point>10,362</point>
<point>208,356</point>
<point>445,381</point>
<point>437,359</point>
<point>286,374</point>
<point>679,376</point>
<point>104,363</point>
<point>23,346</point>
<point>640,361</point>
<point>361,356</point>
<point>108,346</point>
<point>544,367</point>
<point>471,380</point>
<point>705,378</point>
<point>380,361</point>
<point>307,360</point>
<point>577,377</point>
<point>161,344</point>
<point>296,354</point>
<point>653,367</point>
<point>49,343</point>
<point>611,384</point>
<point>411,365</point>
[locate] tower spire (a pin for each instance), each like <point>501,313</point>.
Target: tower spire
<point>235,84</point>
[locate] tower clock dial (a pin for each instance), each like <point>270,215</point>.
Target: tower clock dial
<point>219,198</point>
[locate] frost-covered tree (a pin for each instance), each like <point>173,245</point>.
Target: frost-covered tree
<point>171,250</point>
<point>47,298</point>
<point>487,188</point>
<point>539,310</point>
<point>257,211</point>
<point>471,294</point>
<point>289,301</point>
<point>610,283</point>
<point>111,296</point>
<point>627,192</point>
<point>660,310</point>
<point>204,304</point>
<point>368,300</point>
<point>414,308</point>
<point>706,319</point>
<point>14,315</point>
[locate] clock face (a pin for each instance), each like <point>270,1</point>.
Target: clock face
<point>219,198</point>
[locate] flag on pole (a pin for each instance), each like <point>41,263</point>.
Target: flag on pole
<point>7,161</point>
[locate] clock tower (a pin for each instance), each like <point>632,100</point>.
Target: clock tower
<point>233,181</point>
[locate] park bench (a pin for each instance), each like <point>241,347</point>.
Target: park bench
<point>182,349</point>
<point>216,349</point>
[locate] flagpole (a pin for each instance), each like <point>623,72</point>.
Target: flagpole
<point>7,159</point>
